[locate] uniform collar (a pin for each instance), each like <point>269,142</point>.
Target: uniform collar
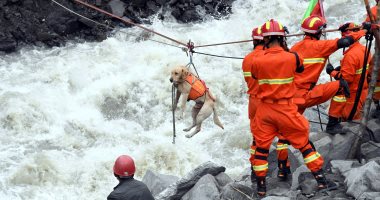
<point>259,47</point>
<point>274,49</point>
<point>308,37</point>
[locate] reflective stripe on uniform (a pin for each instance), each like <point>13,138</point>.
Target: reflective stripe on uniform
<point>339,98</point>
<point>359,71</point>
<point>377,89</point>
<point>279,81</point>
<point>252,151</point>
<point>282,147</point>
<point>313,60</point>
<point>260,167</point>
<point>247,74</point>
<point>312,158</point>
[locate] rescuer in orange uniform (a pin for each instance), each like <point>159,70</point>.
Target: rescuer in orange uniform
<point>252,84</point>
<point>315,53</point>
<point>275,71</point>
<point>350,69</point>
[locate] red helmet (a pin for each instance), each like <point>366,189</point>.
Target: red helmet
<point>257,34</point>
<point>124,166</point>
<point>273,27</point>
<point>313,24</point>
<point>351,28</point>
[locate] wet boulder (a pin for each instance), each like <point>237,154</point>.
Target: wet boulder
<point>205,188</point>
<point>117,7</point>
<point>236,190</point>
<point>183,185</point>
<point>158,182</point>
<point>360,181</point>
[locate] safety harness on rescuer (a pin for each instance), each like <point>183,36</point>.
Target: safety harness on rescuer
<point>198,87</point>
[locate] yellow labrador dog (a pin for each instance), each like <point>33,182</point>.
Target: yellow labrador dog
<point>191,88</point>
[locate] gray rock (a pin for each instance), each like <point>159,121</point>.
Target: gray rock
<point>273,164</point>
<point>363,179</point>
<point>296,174</point>
<point>152,6</point>
<point>180,187</point>
<point>370,151</point>
<point>158,182</point>
<point>8,45</point>
<point>370,195</point>
<point>374,126</point>
<point>277,188</point>
<point>117,7</point>
<point>162,2</point>
<point>307,183</point>
<point>236,191</point>
<point>276,198</point>
<point>205,188</point>
<point>222,179</point>
<point>342,166</point>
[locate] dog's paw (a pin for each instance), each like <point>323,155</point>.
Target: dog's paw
<point>189,135</point>
<point>187,129</point>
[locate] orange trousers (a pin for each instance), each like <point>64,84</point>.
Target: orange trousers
<point>272,118</point>
<point>319,94</point>
<point>282,144</point>
<point>340,107</point>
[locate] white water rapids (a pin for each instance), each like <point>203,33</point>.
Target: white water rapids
<point>68,112</point>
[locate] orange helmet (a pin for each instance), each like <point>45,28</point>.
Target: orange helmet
<point>273,27</point>
<point>124,166</point>
<point>257,34</point>
<point>313,24</point>
<point>351,28</point>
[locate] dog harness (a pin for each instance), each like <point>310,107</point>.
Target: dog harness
<point>198,87</point>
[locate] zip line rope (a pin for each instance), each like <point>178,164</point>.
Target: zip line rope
<point>219,56</point>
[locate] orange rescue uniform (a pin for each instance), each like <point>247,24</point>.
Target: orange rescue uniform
<point>315,53</point>
<point>253,87</point>
<point>351,70</point>
<point>275,71</point>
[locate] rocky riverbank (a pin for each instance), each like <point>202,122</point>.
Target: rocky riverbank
<point>355,180</point>
<point>44,23</point>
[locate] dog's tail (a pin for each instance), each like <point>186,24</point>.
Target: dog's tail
<point>216,119</point>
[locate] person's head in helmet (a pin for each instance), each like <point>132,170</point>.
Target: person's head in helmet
<point>124,167</point>
<point>257,36</point>
<point>274,34</point>
<point>352,27</point>
<point>313,26</point>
